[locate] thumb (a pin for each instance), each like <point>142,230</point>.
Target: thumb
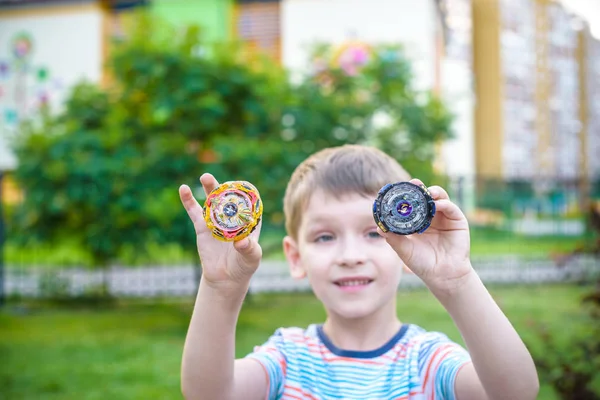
<point>249,252</point>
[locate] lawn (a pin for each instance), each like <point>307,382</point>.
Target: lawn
<point>486,242</point>
<point>132,350</point>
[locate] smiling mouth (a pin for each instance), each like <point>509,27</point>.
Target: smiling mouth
<point>357,282</point>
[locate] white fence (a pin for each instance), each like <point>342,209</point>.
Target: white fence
<point>174,281</point>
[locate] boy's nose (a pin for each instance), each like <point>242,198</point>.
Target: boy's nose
<point>351,253</point>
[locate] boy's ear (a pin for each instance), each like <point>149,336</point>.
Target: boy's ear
<point>292,254</point>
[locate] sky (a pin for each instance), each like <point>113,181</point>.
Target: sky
<point>588,10</point>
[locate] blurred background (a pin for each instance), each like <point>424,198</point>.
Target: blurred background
<point>106,107</point>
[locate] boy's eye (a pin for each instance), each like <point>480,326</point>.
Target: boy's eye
<point>374,235</point>
<point>324,238</point>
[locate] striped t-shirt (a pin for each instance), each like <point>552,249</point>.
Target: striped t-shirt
<point>414,364</point>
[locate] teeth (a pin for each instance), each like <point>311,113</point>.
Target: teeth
<point>353,283</point>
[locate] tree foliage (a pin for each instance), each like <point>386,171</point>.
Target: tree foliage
<point>105,172</point>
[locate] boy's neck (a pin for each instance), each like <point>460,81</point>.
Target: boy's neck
<point>363,334</point>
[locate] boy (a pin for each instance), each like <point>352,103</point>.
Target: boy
<point>362,351</point>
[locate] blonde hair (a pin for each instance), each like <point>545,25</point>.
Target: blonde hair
<point>338,171</point>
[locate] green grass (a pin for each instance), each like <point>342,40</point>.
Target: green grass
<point>524,247</point>
<point>486,242</point>
<point>133,350</point>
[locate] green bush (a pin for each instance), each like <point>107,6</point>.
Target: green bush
<point>569,359</point>
<point>106,171</point>
<point>71,253</point>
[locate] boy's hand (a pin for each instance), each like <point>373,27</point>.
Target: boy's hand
<point>225,265</point>
<point>440,255</point>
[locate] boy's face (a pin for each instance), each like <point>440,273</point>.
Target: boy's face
<point>351,269</point>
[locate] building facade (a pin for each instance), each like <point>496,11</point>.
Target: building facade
<point>37,68</point>
<point>529,85</point>
<point>41,57</point>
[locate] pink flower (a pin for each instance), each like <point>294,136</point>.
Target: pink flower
<point>352,58</point>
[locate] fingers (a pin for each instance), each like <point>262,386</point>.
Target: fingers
<point>443,204</point>
<point>449,209</point>
<point>190,204</point>
<point>438,193</point>
<point>256,233</point>
<point>249,251</point>
<point>249,247</point>
<point>209,183</point>
<point>442,201</point>
<point>417,182</point>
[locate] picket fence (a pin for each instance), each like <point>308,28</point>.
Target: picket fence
<point>272,276</point>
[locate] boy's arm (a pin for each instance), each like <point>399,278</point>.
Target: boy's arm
<point>440,256</point>
<point>209,369</point>
<point>502,366</point>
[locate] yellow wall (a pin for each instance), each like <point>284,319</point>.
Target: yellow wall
<point>583,96</point>
<point>488,88</point>
<point>545,154</point>
<point>583,116</point>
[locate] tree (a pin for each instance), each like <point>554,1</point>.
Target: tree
<point>353,94</point>
<point>105,172</point>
